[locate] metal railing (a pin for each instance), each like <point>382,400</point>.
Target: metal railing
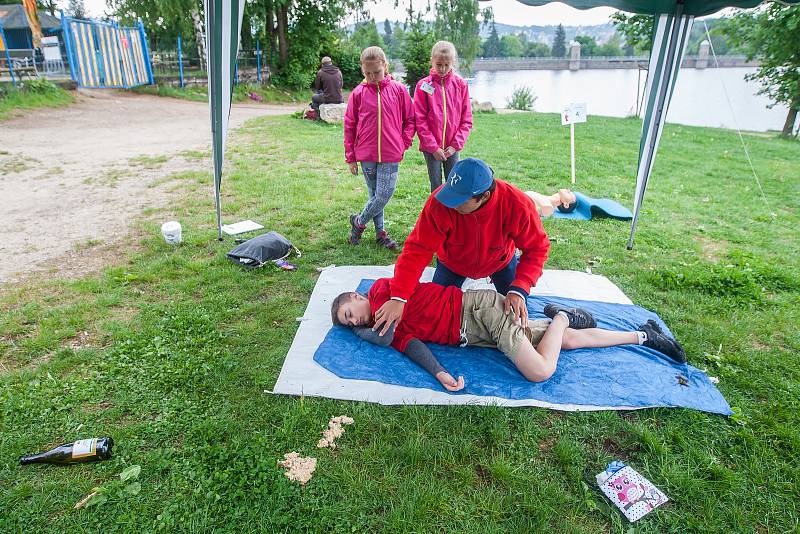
<point>183,67</point>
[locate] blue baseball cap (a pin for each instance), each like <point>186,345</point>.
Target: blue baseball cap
<point>469,177</point>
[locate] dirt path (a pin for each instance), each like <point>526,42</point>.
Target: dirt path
<point>81,174</point>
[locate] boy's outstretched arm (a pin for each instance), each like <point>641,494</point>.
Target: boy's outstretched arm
<point>368,334</point>
<point>420,354</point>
<point>417,352</point>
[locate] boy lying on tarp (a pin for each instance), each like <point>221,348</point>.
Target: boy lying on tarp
<point>448,316</point>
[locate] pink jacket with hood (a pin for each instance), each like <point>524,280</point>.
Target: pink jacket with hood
<point>444,118</point>
<point>379,122</point>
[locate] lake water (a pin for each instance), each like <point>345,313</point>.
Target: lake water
<point>698,100</point>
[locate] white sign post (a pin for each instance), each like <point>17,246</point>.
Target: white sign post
<point>571,115</point>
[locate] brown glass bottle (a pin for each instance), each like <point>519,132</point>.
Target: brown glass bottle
<point>84,450</point>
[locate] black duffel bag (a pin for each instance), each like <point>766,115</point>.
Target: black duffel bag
<point>261,249</point>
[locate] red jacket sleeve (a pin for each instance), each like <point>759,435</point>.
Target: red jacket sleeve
<point>460,139</point>
<point>425,239</point>
<point>529,236</point>
<point>351,125</point>
<point>427,141</point>
<point>409,124</point>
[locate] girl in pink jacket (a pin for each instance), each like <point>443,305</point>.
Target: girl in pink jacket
<point>443,113</point>
<point>378,129</point>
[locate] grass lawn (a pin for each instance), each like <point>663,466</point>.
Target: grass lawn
<point>269,93</point>
<point>170,353</point>
<point>31,95</point>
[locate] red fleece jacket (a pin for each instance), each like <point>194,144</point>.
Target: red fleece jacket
<point>475,245</point>
<point>433,313</point>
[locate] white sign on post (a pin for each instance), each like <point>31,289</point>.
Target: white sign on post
<point>573,114</point>
<point>570,116</point>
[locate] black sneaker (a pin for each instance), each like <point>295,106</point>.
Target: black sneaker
<point>661,342</point>
<point>355,230</point>
<point>578,318</point>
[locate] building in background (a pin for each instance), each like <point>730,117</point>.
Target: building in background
<point>18,32</point>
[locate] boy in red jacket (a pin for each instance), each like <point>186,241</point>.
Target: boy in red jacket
<point>448,316</point>
<point>474,224</point>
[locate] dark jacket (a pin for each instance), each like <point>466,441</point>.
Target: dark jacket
<point>329,81</point>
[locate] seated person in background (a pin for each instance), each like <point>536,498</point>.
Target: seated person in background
<point>448,316</point>
<point>327,84</point>
<point>545,206</point>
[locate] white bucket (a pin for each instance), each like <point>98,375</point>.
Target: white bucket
<point>171,230</point>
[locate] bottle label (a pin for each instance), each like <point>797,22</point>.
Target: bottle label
<point>84,447</point>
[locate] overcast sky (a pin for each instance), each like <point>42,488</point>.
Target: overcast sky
<point>505,11</point>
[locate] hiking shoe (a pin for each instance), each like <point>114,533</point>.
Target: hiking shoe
<point>382,238</point>
<point>661,342</point>
<point>578,318</point>
<point>356,230</point>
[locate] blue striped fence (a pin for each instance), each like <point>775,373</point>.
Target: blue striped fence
<point>103,54</point>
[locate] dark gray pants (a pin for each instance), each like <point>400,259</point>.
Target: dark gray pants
<point>316,100</point>
<point>435,168</point>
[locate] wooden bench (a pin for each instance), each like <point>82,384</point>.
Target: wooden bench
<point>23,63</point>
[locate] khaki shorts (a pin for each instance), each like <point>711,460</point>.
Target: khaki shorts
<point>484,323</point>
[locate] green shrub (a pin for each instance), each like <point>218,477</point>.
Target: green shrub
<point>522,98</point>
<point>40,86</point>
<point>31,94</point>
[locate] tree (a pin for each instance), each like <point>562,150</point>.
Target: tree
<point>48,5</point>
<point>612,47</point>
<point>772,35</point>
<point>76,9</point>
<point>492,46</point>
<point>366,34</point>
<point>511,46</point>
<point>164,20</point>
<point>51,6</point>
<point>560,42</point>
<point>416,52</point>
<point>637,30</point>
<point>457,21</point>
<point>588,45</point>
<point>396,44</point>
<point>387,36</point>
<point>720,41</point>
<point>537,50</point>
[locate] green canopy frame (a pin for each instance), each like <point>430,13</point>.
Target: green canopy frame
<point>223,27</point>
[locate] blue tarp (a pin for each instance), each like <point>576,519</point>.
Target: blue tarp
<point>623,376</point>
<point>589,207</point>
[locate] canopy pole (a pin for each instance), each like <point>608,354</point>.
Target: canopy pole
<point>659,116</point>
<point>219,210</point>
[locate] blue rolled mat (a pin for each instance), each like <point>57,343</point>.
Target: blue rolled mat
<point>588,207</point>
<point>622,376</point>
